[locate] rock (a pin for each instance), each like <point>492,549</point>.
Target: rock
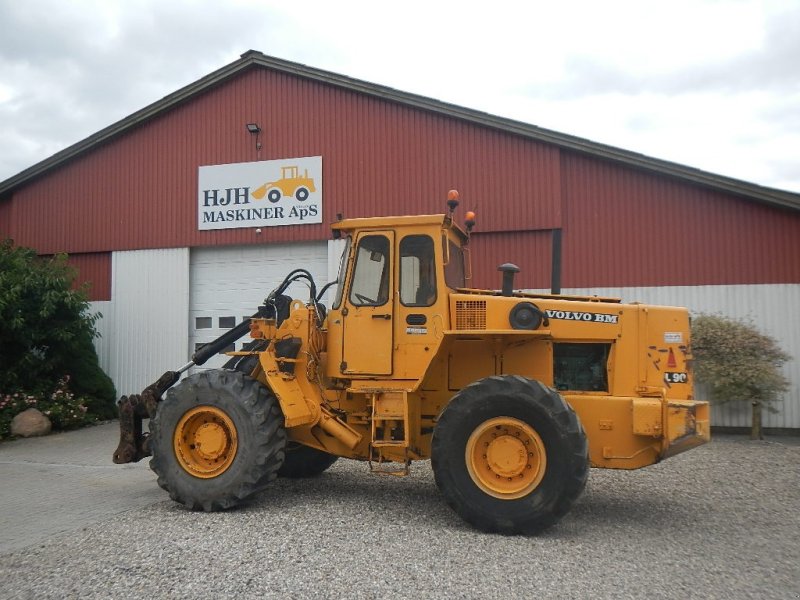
<point>30,423</point>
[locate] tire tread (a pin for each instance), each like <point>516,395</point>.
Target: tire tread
<point>526,393</point>
<point>264,451</point>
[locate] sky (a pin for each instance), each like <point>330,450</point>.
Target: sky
<point>711,84</point>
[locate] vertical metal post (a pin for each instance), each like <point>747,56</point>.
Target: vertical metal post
<point>555,270</point>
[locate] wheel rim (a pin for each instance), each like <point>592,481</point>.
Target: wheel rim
<point>506,458</point>
<point>205,442</point>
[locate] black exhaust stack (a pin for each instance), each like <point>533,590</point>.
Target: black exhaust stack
<point>508,270</point>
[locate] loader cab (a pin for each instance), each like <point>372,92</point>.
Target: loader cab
<point>391,307</point>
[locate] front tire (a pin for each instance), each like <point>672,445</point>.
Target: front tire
<point>509,455</point>
<point>216,439</point>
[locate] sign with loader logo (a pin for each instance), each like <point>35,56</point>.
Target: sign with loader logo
<point>260,194</point>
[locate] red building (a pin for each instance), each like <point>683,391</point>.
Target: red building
<point>133,205</point>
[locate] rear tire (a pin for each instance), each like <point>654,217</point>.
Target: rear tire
<point>509,455</point>
<point>299,461</point>
<point>247,364</point>
<point>216,439</point>
<point>303,461</point>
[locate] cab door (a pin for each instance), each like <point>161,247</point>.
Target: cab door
<point>367,337</point>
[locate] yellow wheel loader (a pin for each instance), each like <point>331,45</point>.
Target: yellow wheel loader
<point>291,183</point>
<point>513,396</point>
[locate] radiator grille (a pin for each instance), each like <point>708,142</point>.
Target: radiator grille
<point>471,314</point>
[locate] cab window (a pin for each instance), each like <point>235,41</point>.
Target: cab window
<point>454,269</point>
<point>417,271</point>
<point>370,284</point>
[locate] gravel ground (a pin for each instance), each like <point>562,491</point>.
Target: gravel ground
<point>720,521</point>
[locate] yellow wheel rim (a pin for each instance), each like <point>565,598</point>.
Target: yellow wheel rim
<point>506,458</point>
<point>205,442</point>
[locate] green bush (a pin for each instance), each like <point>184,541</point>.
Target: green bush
<point>47,333</point>
<point>738,363</point>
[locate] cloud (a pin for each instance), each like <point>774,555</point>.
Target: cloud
<point>759,55</point>
<point>94,63</point>
<point>698,82</point>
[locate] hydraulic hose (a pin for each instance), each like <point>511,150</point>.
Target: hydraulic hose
<point>223,341</point>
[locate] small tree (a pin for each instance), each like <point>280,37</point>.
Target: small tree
<point>738,364</point>
<point>47,332</point>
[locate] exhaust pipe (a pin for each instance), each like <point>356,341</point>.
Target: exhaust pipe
<point>508,270</point>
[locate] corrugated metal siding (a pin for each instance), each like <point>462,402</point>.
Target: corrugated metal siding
<point>772,308</point>
<point>6,227</point>
<point>624,227</point>
<point>150,295</point>
<point>379,158</point>
<point>529,250</point>
<point>94,269</point>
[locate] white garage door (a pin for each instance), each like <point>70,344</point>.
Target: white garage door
<point>229,284</point>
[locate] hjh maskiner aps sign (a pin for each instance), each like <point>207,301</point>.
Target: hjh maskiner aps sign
<point>260,194</point>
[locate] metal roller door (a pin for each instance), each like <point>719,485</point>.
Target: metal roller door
<point>228,284</point>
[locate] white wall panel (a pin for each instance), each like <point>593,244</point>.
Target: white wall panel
<point>150,296</point>
<point>774,309</point>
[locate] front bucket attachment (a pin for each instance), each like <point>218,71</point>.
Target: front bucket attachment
<point>133,444</point>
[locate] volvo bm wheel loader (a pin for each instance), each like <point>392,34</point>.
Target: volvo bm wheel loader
<point>513,396</point>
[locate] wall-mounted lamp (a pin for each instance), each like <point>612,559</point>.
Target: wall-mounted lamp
<point>255,130</point>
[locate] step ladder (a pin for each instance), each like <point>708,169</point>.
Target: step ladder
<point>390,430</point>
